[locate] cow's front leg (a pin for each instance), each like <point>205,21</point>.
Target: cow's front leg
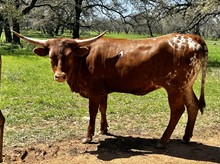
<point>93,109</point>
<point>102,108</point>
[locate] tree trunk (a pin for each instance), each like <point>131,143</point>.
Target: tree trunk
<point>7,31</point>
<point>149,28</point>
<point>57,28</point>
<point>62,30</point>
<point>196,30</point>
<point>76,24</point>
<point>16,26</point>
<point>1,24</point>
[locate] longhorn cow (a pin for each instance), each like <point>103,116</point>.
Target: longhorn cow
<point>98,66</point>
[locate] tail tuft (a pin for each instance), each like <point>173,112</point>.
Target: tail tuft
<point>202,103</point>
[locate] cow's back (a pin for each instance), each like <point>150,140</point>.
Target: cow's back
<point>140,66</point>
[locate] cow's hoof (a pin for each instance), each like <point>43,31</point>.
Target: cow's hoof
<point>160,146</point>
<point>86,140</point>
<point>103,132</point>
<point>184,141</point>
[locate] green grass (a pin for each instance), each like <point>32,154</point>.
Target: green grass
<point>37,108</point>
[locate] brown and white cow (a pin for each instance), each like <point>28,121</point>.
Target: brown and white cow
<point>97,66</point>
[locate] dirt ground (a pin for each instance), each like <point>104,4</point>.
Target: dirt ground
<point>117,150</point>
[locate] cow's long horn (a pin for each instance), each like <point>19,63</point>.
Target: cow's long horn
<point>83,42</point>
<point>35,42</point>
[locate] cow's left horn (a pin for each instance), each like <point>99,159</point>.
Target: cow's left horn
<point>83,42</point>
<point>35,42</point>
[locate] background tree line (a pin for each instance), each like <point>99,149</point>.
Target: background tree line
<point>150,17</point>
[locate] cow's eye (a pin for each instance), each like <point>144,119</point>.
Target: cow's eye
<point>54,60</point>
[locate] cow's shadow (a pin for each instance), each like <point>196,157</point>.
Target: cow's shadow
<point>125,147</point>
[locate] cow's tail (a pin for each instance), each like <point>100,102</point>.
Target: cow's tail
<point>202,103</point>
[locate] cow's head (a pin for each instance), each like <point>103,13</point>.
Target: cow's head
<point>60,50</point>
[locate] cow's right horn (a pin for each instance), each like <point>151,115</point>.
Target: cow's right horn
<point>35,42</point>
<point>83,42</point>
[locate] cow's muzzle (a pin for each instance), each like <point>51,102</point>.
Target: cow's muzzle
<point>60,77</point>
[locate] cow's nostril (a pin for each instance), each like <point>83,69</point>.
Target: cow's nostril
<point>60,77</point>
<point>56,77</point>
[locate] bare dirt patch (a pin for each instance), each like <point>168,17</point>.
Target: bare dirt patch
<point>117,149</point>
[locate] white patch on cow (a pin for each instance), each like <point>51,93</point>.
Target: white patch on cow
<point>193,60</point>
<point>170,76</point>
<point>191,43</point>
<point>195,67</point>
<point>198,46</point>
<point>121,54</point>
<point>175,39</point>
<point>180,41</point>
<point>183,39</point>
<point>171,44</point>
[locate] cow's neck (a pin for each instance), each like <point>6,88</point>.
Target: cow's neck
<point>76,76</point>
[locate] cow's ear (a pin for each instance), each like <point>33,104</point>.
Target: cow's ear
<point>82,51</point>
<point>41,51</point>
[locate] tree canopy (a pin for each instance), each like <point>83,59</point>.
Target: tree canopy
<point>150,17</point>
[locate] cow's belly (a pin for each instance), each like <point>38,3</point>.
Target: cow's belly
<point>142,82</point>
<point>133,86</point>
<point>144,90</point>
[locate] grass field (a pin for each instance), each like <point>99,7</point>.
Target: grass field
<point>37,108</point>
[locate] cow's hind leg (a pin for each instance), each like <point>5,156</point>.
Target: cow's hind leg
<point>102,108</point>
<point>176,103</point>
<point>191,103</point>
